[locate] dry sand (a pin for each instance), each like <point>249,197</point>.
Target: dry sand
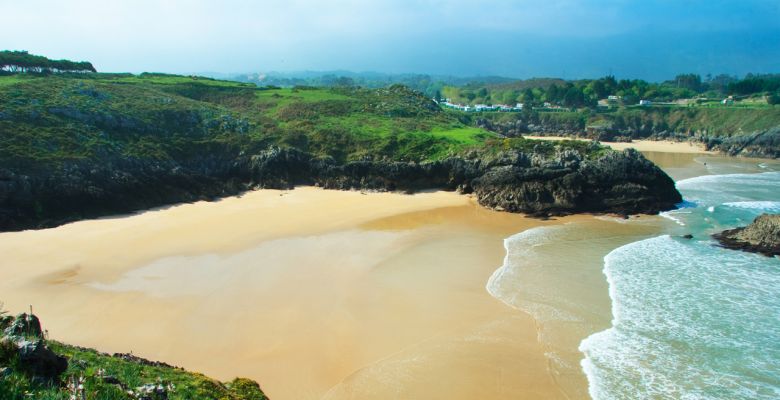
<point>314,293</point>
<point>643,145</point>
<point>332,295</point>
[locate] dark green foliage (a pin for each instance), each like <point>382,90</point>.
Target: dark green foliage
<point>22,61</point>
<point>590,150</point>
<point>7,352</point>
<point>242,388</point>
<point>97,372</point>
<point>586,92</point>
<point>755,84</point>
<point>689,81</point>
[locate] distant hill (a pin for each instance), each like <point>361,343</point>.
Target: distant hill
<point>429,85</point>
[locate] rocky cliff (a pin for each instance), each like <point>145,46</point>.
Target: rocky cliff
<point>761,236</point>
<point>561,183</point>
<point>732,138</point>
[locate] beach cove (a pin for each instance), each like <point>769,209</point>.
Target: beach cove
<point>339,295</point>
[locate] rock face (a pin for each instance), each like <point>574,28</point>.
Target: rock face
<point>25,337</point>
<point>25,325</point>
<point>762,143</point>
<point>36,358</point>
<point>761,236</point>
<point>623,183</point>
<point>561,183</point>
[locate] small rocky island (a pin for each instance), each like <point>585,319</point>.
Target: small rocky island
<point>761,236</point>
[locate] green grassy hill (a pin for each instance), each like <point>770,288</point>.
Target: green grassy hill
<point>81,145</point>
<point>98,376</point>
<point>97,116</point>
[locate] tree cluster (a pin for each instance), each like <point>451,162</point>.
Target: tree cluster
<point>756,84</point>
<point>24,62</point>
<point>587,92</point>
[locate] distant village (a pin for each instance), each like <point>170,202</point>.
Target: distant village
<point>609,102</point>
<point>480,107</point>
<point>496,107</point>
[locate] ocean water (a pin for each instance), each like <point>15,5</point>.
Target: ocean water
<point>692,320</point>
<point>554,274</point>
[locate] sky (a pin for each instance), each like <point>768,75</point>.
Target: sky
<point>648,39</point>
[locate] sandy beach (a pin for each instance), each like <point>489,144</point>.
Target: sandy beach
<point>314,293</point>
<point>323,294</point>
<point>661,146</point>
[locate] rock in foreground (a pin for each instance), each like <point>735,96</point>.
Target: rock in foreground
<point>761,236</point>
<point>32,367</point>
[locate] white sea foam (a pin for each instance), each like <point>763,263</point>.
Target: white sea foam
<point>671,215</point>
<point>691,320</point>
<point>524,241</point>
<point>768,206</point>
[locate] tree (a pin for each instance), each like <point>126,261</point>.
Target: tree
<point>689,81</point>
<point>599,89</point>
<point>574,97</point>
<point>528,97</point>
<point>773,98</point>
<point>720,83</point>
<point>553,93</point>
<point>22,61</point>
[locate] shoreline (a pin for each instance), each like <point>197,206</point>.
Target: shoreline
<point>319,293</point>
<point>661,146</point>
<point>405,281</point>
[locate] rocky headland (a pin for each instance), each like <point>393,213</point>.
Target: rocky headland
<point>761,143</point>
<point>74,147</point>
<point>561,183</point>
<point>761,236</point>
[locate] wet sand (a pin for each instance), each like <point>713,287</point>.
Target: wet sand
<point>660,146</point>
<point>314,293</point>
<point>336,295</point>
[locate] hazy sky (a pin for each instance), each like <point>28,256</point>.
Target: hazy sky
<point>651,39</point>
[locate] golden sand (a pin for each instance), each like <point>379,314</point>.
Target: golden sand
<point>664,146</point>
<point>314,293</point>
<point>333,295</point>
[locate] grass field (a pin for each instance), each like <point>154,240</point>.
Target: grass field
<point>71,117</point>
<point>99,376</point>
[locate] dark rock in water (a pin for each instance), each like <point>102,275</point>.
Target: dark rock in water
<point>24,325</point>
<point>550,184</point>
<point>687,236</point>
<point>761,236</point>
<point>40,361</point>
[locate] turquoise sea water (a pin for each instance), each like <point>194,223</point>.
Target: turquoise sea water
<point>692,320</point>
